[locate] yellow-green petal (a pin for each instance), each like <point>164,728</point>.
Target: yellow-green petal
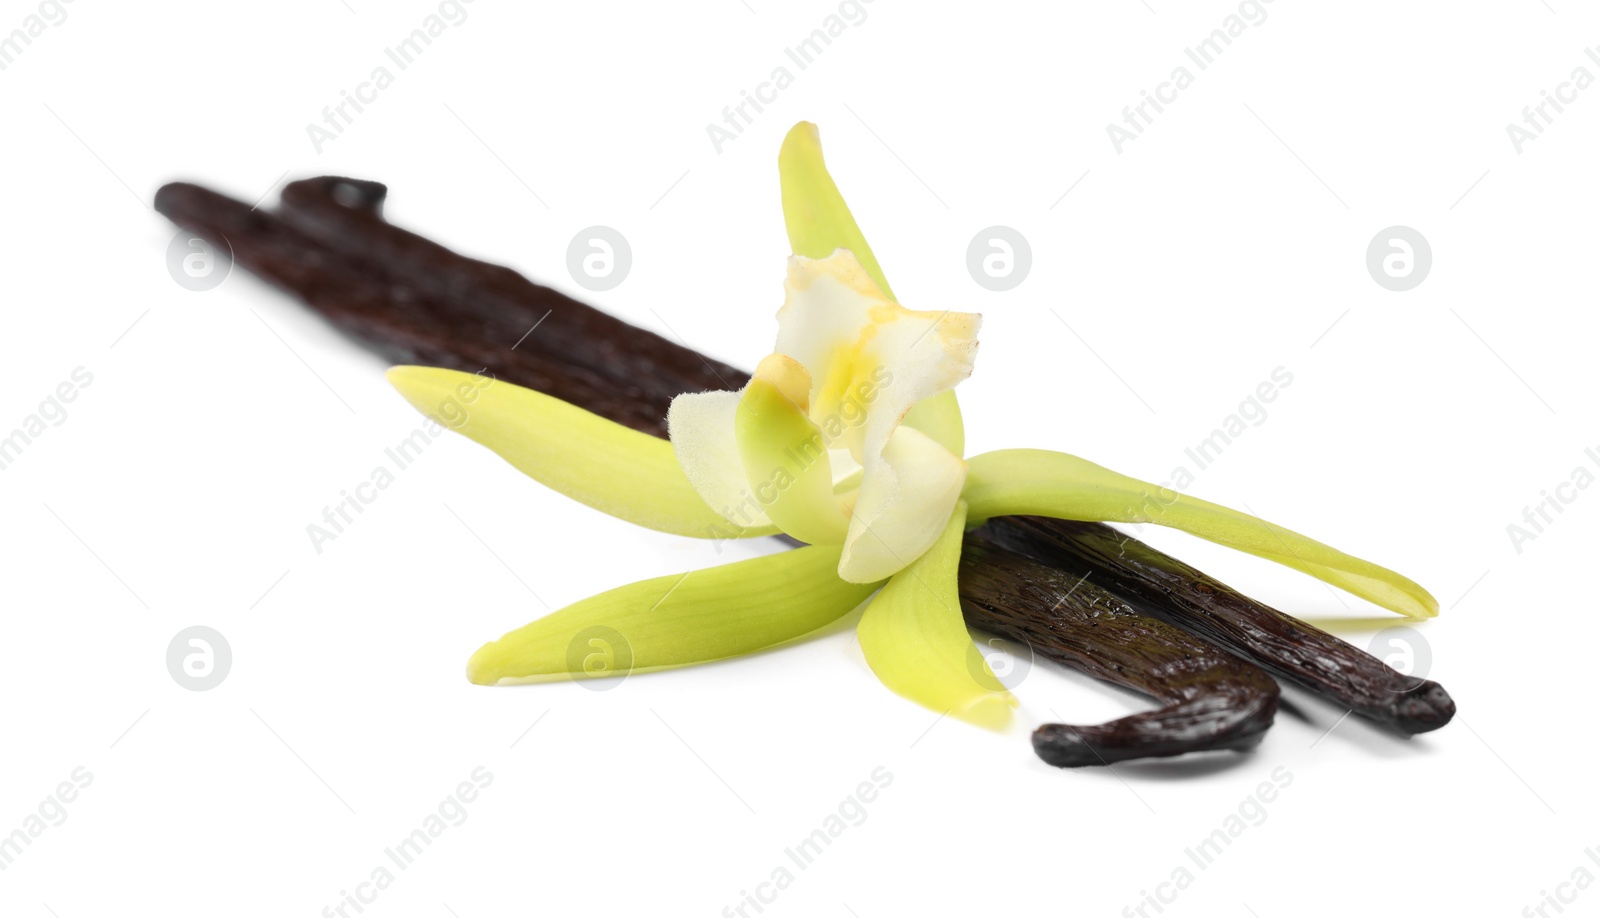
<point>814,211</point>
<point>676,621</point>
<point>1044,483</point>
<point>786,461</point>
<point>819,221</point>
<point>914,638</point>
<point>612,468</point>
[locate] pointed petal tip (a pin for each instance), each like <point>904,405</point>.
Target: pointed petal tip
<point>991,712</point>
<point>1427,607</point>
<point>802,132</point>
<point>481,666</point>
<point>404,376</point>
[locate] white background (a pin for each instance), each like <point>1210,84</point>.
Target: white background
<point>1174,277</point>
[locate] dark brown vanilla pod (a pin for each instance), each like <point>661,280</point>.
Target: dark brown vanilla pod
<point>1212,699</point>
<point>1166,588</point>
<point>346,215</point>
<point>383,291</point>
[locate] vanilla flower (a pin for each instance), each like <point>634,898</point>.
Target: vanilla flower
<point>847,438</point>
<point>815,443</point>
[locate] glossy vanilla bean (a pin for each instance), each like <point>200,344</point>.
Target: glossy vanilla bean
<point>413,301</point>
<point>1210,698</point>
<point>1166,588</point>
<point>501,306</point>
